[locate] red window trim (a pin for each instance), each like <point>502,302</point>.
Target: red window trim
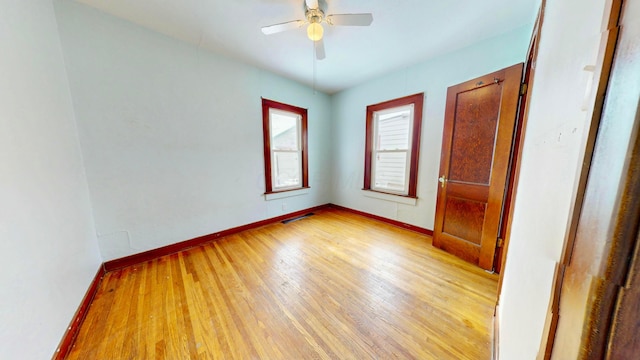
<point>271,104</point>
<point>417,100</point>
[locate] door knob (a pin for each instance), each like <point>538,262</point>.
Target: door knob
<point>442,180</point>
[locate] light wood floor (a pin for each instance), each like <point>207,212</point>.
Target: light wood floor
<point>332,286</point>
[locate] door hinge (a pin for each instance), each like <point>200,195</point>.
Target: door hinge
<point>499,242</point>
<point>523,89</point>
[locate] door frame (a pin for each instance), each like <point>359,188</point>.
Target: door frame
<point>504,231</point>
<point>528,74</point>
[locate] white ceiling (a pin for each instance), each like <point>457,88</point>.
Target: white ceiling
<point>403,32</point>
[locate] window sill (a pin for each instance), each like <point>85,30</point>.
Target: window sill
<point>390,197</point>
<point>286,194</point>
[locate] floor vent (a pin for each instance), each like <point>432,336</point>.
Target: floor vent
<point>297,218</point>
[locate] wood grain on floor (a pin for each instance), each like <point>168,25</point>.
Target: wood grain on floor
<point>332,286</point>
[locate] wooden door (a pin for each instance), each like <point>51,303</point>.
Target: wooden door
<point>476,145</point>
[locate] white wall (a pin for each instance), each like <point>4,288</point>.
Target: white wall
<point>47,236</point>
<point>432,77</point>
<point>172,135</point>
<point>551,156</point>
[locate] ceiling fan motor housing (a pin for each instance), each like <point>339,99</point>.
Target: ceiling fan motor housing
<point>315,16</point>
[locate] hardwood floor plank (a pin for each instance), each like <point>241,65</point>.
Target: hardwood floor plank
<point>332,286</point>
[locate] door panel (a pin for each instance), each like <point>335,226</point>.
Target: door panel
<point>464,219</point>
<point>472,147</point>
<point>478,131</point>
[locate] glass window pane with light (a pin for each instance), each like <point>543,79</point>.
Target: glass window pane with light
<point>286,156</point>
<point>392,143</point>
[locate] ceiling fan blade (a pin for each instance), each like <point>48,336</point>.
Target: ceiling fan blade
<point>312,4</point>
<point>276,28</point>
<point>319,46</point>
<point>350,19</point>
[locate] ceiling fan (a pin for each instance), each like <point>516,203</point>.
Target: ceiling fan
<point>315,17</point>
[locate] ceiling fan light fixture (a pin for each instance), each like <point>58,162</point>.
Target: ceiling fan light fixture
<point>315,31</point>
<point>314,18</point>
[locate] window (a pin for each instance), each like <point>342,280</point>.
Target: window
<point>392,146</point>
<point>285,146</point>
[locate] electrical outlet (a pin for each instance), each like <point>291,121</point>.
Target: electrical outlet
<point>284,206</point>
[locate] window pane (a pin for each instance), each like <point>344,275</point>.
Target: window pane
<point>284,131</point>
<point>390,170</point>
<point>393,131</point>
<point>286,169</point>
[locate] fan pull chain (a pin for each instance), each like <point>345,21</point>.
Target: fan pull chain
<point>314,67</point>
